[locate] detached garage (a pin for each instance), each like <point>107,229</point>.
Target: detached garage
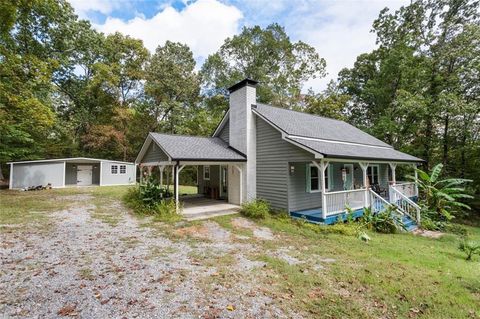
<point>64,172</point>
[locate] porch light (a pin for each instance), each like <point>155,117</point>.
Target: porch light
<point>292,169</point>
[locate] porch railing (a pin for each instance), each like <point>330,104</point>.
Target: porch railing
<point>405,204</point>
<point>409,189</point>
<point>336,202</point>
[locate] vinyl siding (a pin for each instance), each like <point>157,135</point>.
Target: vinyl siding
<point>224,134</point>
<point>298,197</point>
<point>154,154</point>
<point>273,156</point>
<point>117,179</point>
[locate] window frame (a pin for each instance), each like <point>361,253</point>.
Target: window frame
<point>205,171</point>
<point>371,167</point>
<point>112,166</point>
<point>120,169</point>
<point>308,180</point>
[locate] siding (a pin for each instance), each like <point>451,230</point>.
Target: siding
<point>117,179</point>
<point>35,174</point>
<point>273,156</point>
<point>224,134</point>
<point>154,154</point>
<point>298,197</point>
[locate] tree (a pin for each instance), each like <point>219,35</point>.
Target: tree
<point>330,103</point>
<point>268,56</point>
<point>172,87</point>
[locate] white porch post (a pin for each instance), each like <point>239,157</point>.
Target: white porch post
<point>416,179</point>
<point>161,168</point>
<point>10,178</point>
<point>392,196</point>
<point>393,166</point>
<point>321,170</point>
<point>364,167</point>
<point>177,170</point>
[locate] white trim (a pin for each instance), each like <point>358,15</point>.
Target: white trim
<point>64,173</point>
<point>101,172</point>
<point>353,160</point>
<point>145,147</point>
<point>209,172</point>
<point>210,163</point>
<point>10,179</point>
<point>329,176</point>
<point>337,142</point>
<point>240,171</point>
<point>222,123</point>
<point>378,173</point>
<point>351,172</point>
<point>71,159</point>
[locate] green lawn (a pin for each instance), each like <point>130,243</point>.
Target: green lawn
<point>338,276</point>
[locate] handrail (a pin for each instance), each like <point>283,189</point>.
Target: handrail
<point>409,202</point>
<point>346,191</point>
<point>379,197</point>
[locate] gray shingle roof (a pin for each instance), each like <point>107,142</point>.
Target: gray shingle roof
<point>329,133</point>
<point>182,147</point>
<point>308,125</point>
<point>340,150</point>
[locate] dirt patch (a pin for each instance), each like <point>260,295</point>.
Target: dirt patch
<point>258,232</point>
<point>285,255</point>
<point>207,230</point>
<point>428,233</point>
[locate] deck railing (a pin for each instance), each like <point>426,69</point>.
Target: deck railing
<point>409,189</point>
<point>336,202</point>
<point>405,204</point>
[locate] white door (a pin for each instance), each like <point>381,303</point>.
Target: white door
<point>84,175</point>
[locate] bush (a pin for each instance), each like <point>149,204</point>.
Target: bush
<point>470,248</point>
<point>386,221</point>
<point>258,209</point>
<point>162,209</point>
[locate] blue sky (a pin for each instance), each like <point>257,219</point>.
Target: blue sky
<point>338,29</point>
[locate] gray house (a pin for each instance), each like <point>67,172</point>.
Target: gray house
<point>307,165</point>
<point>78,171</point>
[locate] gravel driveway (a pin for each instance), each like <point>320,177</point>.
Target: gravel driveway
<point>98,261</point>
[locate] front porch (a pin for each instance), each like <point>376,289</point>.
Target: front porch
<point>333,187</point>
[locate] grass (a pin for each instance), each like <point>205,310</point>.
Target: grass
<point>392,276</point>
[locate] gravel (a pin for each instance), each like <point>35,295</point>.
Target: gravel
<point>84,267</point>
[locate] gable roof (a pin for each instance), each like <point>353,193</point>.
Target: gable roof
<point>184,147</point>
<point>329,137</point>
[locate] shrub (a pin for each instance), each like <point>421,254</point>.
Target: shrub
<point>151,193</point>
<point>386,221</point>
<point>162,209</point>
<point>258,209</point>
<point>470,248</point>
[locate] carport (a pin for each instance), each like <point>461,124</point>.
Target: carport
<point>175,152</point>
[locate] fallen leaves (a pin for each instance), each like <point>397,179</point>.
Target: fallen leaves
<point>68,311</point>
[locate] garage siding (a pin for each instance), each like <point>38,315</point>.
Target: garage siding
<point>35,174</point>
<point>117,179</point>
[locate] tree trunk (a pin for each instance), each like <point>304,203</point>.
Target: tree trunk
<point>445,141</point>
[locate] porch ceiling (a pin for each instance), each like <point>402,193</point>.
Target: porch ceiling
<point>355,151</point>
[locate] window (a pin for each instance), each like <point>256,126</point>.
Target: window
<point>114,169</point>
<point>314,181</point>
<point>206,173</point>
<point>123,169</point>
<point>372,174</point>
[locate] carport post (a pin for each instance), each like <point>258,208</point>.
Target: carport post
<point>161,167</point>
<point>10,179</point>
<point>177,170</point>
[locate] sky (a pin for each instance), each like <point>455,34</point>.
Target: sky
<point>338,29</point>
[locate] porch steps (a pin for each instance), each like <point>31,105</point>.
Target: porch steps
<point>210,213</point>
<point>409,223</point>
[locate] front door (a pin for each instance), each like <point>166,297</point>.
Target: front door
<point>347,176</point>
<point>84,175</point>
<point>224,182</point>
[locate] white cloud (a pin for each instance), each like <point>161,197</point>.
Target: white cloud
<point>83,7</point>
<point>202,25</point>
<point>339,30</point>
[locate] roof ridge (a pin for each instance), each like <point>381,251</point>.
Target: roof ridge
<point>304,113</point>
